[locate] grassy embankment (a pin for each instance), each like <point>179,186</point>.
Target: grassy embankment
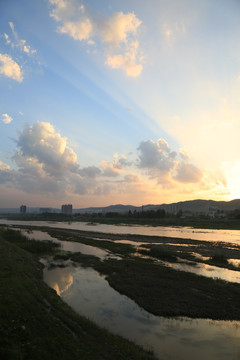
<point>34,321</point>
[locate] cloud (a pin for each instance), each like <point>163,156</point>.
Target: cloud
<point>16,46</point>
<point>117,28</point>
<point>166,165</point>
<point>22,45</point>
<point>110,169</point>
<point>127,61</point>
<point>117,33</point>
<point>6,118</point>
<point>187,173</point>
<point>131,178</point>
<point>10,68</point>
<point>46,165</point>
<point>4,166</point>
<point>116,167</point>
<point>90,172</point>
<point>156,155</point>
<point>172,30</point>
<point>48,148</point>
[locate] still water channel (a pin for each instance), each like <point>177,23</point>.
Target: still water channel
<point>232,236</point>
<point>89,294</point>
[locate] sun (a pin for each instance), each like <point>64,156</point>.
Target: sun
<point>232,175</point>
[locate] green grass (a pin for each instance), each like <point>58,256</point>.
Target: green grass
<point>159,253</point>
<point>34,246</point>
<point>36,324</point>
<point>167,292</point>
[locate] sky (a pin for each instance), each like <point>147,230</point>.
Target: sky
<point>119,102</point>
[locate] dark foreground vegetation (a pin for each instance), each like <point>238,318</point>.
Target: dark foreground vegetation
<point>34,321</point>
<point>167,292</point>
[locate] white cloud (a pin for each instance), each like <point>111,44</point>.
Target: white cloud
<point>117,28</point>
<point>22,45</point>
<point>46,165</point>
<point>117,33</point>
<point>41,142</point>
<point>6,118</point>
<point>10,68</point>
<point>80,30</point>
<point>126,61</point>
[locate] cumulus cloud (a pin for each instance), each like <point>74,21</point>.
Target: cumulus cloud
<point>6,118</point>
<point>117,33</point>
<point>156,155</point>
<point>10,68</point>
<point>166,165</point>
<point>46,165</point>
<point>48,148</point>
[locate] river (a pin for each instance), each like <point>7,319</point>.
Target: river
<point>89,294</point>
<point>231,236</point>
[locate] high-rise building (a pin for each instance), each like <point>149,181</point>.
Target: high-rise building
<point>23,209</point>
<point>67,209</point>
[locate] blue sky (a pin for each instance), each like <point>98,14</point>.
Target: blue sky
<point>129,102</point>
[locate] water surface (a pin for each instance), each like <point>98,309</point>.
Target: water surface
<point>231,236</point>
<point>89,294</point>
<point>66,245</point>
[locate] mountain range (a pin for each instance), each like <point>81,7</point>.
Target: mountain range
<point>195,206</point>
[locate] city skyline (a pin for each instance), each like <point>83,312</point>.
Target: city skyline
<point>122,102</point>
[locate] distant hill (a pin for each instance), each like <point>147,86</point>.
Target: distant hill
<point>195,206</point>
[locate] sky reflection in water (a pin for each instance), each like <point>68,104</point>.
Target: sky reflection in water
<point>231,236</point>
<point>89,294</point>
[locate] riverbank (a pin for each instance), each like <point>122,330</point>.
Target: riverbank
<point>36,324</point>
<point>194,222</point>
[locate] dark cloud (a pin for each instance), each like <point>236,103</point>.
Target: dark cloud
<point>90,171</point>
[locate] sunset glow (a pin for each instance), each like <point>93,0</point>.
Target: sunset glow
<point>130,102</point>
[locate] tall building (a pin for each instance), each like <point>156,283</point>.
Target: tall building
<point>23,209</point>
<point>67,209</point>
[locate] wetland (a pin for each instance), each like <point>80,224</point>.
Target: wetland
<point>178,288</point>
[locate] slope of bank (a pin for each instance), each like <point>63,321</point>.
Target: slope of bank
<point>36,324</point>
